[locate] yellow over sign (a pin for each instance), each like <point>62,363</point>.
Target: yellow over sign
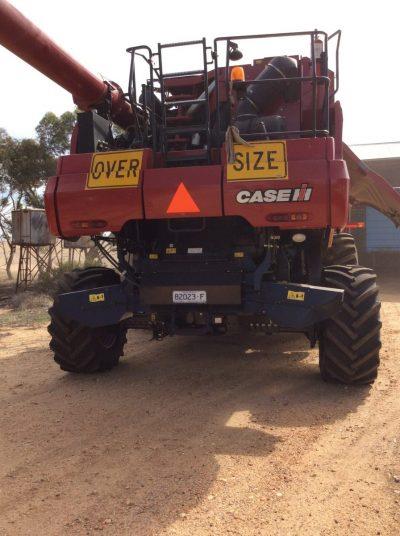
<point>259,161</point>
<point>115,169</point>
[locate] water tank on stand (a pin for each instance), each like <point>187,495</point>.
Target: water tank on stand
<point>29,228</point>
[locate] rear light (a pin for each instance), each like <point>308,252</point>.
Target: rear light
<point>356,225</point>
<point>89,224</point>
<point>293,216</point>
<point>299,238</point>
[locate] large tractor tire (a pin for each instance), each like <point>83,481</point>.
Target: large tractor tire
<point>349,342</point>
<point>343,251</point>
<point>79,348</point>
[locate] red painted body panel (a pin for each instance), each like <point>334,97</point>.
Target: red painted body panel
<point>310,162</point>
<point>74,202</point>
<point>340,189</point>
<point>202,182</point>
<point>111,205</point>
<point>50,206</point>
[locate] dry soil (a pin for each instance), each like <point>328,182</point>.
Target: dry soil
<point>198,436</point>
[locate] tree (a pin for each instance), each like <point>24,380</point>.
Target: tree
<point>24,166</point>
<point>5,141</point>
<point>54,133</point>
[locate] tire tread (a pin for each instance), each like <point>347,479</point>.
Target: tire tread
<point>77,348</point>
<point>343,251</point>
<point>349,342</point>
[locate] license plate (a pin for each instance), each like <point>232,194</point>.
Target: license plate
<point>115,169</point>
<point>189,296</point>
<point>259,161</point>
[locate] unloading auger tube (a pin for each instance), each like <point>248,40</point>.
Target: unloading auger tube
<point>21,37</point>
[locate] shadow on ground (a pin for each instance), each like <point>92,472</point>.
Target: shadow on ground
<point>140,444</point>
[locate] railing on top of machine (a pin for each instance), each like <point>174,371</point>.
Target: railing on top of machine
<point>156,110</point>
<point>149,108</point>
<point>314,78</point>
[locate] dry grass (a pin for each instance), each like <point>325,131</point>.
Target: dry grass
<point>30,308</point>
<point>28,301</point>
<point>24,309</point>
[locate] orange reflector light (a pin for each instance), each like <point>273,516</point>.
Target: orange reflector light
<point>296,216</point>
<point>356,225</point>
<point>89,224</point>
<point>237,73</point>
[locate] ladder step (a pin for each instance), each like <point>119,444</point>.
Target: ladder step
<point>178,120</point>
<point>183,96</point>
<point>176,130</point>
<point>186,130</point>
<point>184,102</point>
<point>187,158</point>
<point>182,44</point>
<point>182,73</point>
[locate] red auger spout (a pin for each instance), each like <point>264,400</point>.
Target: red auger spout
<point>28,42</point>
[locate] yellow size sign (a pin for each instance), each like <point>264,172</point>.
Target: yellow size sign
<point>94,298</point>
<point>115,169</point>
<point>259,161</point>
<point>295,295</point>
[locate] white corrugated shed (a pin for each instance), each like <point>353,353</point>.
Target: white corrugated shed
<point>372,151</point>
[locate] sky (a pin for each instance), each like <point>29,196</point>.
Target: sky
<point>97,34</point>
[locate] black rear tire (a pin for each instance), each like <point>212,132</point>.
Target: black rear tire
<point>343,251</point>
<point>80,348</point>
<point>349,342</point>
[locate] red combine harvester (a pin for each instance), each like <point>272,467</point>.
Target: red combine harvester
<point>225,192</point>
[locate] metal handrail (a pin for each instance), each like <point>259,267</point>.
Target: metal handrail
<point>338,33</point>
<point>323,79</point>
<point>132,87</point>
<point>314,78</point>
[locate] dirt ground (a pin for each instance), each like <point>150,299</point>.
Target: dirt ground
<point>198,436</point>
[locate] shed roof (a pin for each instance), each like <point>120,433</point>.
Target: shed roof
<point>374,151</point>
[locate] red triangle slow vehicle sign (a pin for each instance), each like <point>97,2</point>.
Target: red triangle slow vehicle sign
<point>182,202</point>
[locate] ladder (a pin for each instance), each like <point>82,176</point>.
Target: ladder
<point>169,134</point>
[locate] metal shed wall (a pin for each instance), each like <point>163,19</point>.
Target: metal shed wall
<point>381,234</point>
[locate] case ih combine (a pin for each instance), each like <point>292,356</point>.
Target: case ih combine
<point>225,193</point>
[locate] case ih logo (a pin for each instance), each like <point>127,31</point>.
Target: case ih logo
<point>283,195</point>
